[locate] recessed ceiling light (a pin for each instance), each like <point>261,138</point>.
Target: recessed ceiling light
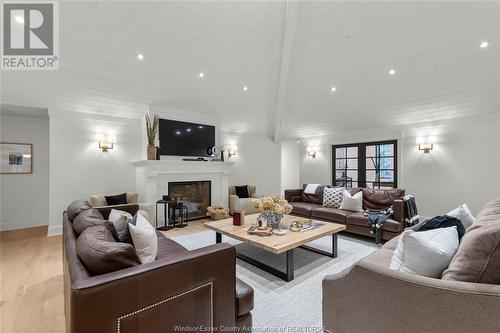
<point>140,56</point>
<point>245,88</point>
<point>201,75</point>
<point>392,72</point>
<point>484,44</point>
<point>188,130</point>
<point>333,89</point>
<point>19,19</point>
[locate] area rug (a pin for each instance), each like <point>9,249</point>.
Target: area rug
<point>289,306</point>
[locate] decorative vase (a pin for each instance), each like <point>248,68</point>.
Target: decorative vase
<point>151,152</point>
<point>273,219</point>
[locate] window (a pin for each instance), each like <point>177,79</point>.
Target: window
<point>372,165</point>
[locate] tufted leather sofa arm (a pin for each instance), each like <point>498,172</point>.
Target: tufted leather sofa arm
<point>294,195</point>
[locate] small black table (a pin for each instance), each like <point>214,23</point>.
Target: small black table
<point>183,212</point>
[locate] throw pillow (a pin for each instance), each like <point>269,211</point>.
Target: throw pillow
<point>124,236</point>
<point>332,196</point>
<point>443,222</point>
<point>120,219</point>
<point>426,253</point>
<point>242,191</point>
<point>100,253</point>
<point>119,199</point>
<point>86,219</point>
<point>311,188</point>
<point>145,240</point>
<point>463,214</point>
<point>352,202</point>
<point>478,257</point>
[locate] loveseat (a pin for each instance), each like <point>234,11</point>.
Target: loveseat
<point>310,206</point>
<point>99,201</point>
<point>245,204</point>
<point>370,297</point>
<point>180,288</point>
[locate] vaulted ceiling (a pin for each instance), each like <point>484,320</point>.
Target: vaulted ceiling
<point>289,52</point>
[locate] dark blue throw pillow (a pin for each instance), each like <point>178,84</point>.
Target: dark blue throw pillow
<point>125,236</point>
<point>444,221</point>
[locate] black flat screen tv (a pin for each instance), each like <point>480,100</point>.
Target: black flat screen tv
<point>180,138</point>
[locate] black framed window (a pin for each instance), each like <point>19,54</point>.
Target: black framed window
<point>371,164</point>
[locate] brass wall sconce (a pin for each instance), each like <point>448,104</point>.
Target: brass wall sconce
<point>106,142</point>
<point>311,152</point>
<point>426,144</point>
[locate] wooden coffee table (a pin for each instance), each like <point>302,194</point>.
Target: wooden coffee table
<point>277,244</point>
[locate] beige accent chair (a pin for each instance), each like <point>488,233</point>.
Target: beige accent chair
<point>99,201</point>
<point>245,204</point>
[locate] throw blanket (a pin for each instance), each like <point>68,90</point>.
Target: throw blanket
<point>444,222</point>
<point>311,188</point>
<point>377,219</point>
<point>411,211</point>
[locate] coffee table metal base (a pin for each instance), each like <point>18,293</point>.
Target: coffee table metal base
<point>289,274</point>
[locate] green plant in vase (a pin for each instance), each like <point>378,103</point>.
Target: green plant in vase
<point>152,126</point>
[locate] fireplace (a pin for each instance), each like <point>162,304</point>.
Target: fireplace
<point>195,195</point>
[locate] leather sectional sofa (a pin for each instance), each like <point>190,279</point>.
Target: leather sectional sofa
<point>180,288</point>
<point>370,297</point>
<point>310,206</point>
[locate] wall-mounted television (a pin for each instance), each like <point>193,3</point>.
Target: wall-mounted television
<point>181,138</point>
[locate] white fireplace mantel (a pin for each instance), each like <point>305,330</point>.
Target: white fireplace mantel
<point>152,177</point>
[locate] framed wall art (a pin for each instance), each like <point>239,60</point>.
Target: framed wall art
<point>16,158</point>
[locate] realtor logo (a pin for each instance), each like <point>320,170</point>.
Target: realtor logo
<point>30,36</point>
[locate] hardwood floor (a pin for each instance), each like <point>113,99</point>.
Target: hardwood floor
<point>31,281</point>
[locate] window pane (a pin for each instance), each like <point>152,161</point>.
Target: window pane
<point>384,162</point>
<point>340,163</point>
<point>340,152</point>
<point>386,150</point>
<point>386,176</point>
<point>352,163</point>
<point>370,151</point>
<point>338,174</point>
<point>352,152</point>
<point>353,174</point>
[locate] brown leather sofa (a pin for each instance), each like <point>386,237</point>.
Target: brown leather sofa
<point>180,290</point>
<point>311,206</point>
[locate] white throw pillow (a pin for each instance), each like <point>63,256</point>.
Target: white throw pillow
<point>426,253</point>
<point>119,218</point>
<point>352,202</point>
<point>145,239</point>
<point>311,188</point>
<point>463,214</point>
<point>332,196</point>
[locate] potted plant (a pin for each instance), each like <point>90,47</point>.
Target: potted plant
<point>152,125</point>
<point>272,209</point>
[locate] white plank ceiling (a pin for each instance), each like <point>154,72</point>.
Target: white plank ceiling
<point>441,72</point>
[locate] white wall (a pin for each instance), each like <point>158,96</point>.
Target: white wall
<point>79,168</point>
<point>258,162</point>
<point>463,167</point>
<point>290,168</point>
<point>316,170</point>
<point>24,198</point>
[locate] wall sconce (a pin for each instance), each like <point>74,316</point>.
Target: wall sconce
<point>311,152</point>
<point>426,144</point>
<point>106,142</point>
<point>232,150</point>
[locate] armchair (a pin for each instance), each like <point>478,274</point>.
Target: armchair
<point>99,201</point>
<point>245,204</point>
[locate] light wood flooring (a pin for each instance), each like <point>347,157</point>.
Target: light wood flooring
<point>31,281</point>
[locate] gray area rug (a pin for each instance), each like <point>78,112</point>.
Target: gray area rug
<point>289,306</point>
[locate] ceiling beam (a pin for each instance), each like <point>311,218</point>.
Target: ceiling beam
<point>289,31</point>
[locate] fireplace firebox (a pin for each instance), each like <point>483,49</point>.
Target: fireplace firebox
<point>195,195</point>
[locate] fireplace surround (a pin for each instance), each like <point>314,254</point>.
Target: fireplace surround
<point>196,195</point>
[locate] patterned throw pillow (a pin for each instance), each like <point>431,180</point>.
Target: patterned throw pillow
<point>332,197</point>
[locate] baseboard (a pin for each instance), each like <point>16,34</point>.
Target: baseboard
<point>21,224</point>
<point>24,233</point>
<point>54,230</point>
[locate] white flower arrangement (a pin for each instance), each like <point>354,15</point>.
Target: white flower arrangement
<point>272,204</point>
<point>218,211</point>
